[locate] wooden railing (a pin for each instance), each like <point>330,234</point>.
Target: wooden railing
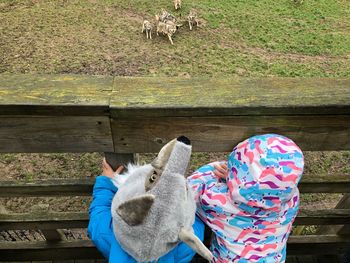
<point>45,113</point>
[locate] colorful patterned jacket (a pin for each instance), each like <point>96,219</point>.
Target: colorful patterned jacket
<point>252,211</point>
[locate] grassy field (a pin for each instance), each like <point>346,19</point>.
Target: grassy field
<point>243,37</point>
<point>235,38</point>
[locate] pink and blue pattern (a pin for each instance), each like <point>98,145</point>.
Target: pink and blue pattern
<point>252,211</point>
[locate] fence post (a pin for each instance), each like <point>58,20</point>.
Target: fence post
<point>117,159</point>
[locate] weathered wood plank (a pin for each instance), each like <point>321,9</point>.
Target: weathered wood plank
<point>51,187</point>
<point>44,220</point>
<point>344,203</point>
<point>85,261</point>
<point>62,220</point>
<point>317,245</point>
<point>292,259</point>
<point>305,259</point>
<point>55,134</point>
<point>229,96</point>
<point>325,184</point>
<point>52,234</point>
<point>117,159</point>
<point>345,230</point>
<point>306,99</point>
<point>83,186</point>
<point>329,259</point>
<point>54,94</point>
<point>42,250</point>
<point>323,217</point>
<point>24,94</point>
<point>84,249</point>
<point>86,134</point>
<point>220,134</point>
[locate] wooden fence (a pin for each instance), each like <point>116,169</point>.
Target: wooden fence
<point>122,115</point>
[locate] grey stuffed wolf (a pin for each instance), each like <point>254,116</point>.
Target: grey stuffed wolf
<point>154,209</point>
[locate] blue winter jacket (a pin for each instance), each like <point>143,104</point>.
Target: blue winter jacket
<point>100,228</point>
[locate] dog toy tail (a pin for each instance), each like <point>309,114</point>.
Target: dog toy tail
<point>194,242</point>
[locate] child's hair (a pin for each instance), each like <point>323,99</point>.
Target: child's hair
<point>252,211</point>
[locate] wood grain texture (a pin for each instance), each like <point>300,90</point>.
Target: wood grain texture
<point>344,203</point>
<point>25,94</point>
<point>44,220</point>
<point>83,186</point>
<point>221,134</point>
<point>84,249</point>
<point>323,217</point>
<point>53,234</point>
<point>330,259</point>
<point>117,159</point>
<point>52,187</point>
<point>312,111</point>
<point>320,183</point>
<point>42,250</point>
<point>62,220</point>
<point>55,134</point>
<point>303,259</point>
<point>69,113</point>
<point>229,96</point>
<point>92,95</point>
<point>317,245</point>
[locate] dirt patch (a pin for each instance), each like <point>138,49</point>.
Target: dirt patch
<point>48,166</point>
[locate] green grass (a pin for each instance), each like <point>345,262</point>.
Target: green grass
<point>313,28</point>
<point>244,38</point>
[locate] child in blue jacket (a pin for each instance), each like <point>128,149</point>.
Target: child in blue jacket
<point>100,228</point>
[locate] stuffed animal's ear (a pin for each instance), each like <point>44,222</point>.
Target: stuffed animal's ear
<point>189,238</point>
<point>179,158</point>
<point>135,210</point>
<point>163,156</point>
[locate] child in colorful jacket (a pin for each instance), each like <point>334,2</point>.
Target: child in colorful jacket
<point>100,228</point>
<point>251,201</point>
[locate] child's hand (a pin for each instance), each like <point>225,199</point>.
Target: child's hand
<point>221,170</point>
<point>108,171</point>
